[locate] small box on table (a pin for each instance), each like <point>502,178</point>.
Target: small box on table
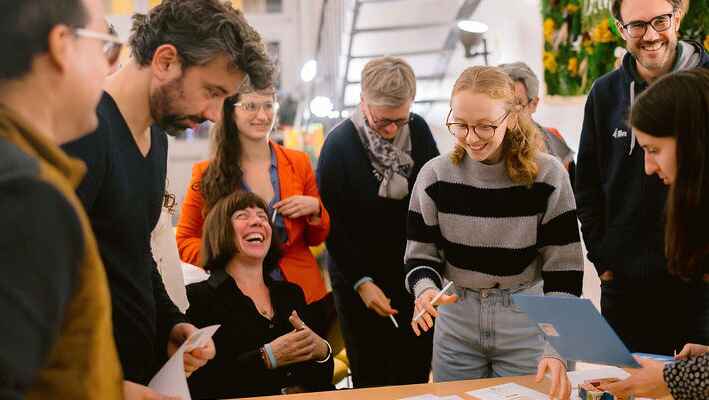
<point>589,390</point>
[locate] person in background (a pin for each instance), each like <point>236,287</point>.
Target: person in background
<point>527,91</point>
<point>187,56</point>
<point>56,340</point>
<point>246,159</point>
<point>366,170</point>
<point>620,208</point>
<point>496,216</point>
<point>264,346</point>
<point>675,138</point>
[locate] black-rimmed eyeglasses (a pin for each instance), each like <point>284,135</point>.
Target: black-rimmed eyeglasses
<point>112,45</point>
<point>637,29</point>
<point>483,131</point>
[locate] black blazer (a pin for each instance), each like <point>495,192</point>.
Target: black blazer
<point>238,370</point>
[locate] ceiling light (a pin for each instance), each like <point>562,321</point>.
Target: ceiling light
<point>472,26</point>
<point>321,106</point>
<point>309,70</point>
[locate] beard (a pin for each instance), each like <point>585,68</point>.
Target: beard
<point>164,108</point>
<point>658,62</point>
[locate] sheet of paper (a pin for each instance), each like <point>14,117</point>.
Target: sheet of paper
<point>171,380</point>
<point>508,391</point>
<point>577,377</point>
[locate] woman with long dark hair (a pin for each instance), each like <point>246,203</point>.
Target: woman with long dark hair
<point>246,159</point>
<point>671,123</point>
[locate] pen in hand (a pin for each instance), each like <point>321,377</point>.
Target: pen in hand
<point>435,299</point>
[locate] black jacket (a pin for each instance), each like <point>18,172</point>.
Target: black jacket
<point>238,369</point>
<point>368,232</point>
<point>619,206</point>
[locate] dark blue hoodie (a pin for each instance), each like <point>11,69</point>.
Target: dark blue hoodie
<point>621,209</point>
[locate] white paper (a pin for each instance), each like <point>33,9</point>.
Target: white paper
<point>508,391</point>
<point>171,380</point>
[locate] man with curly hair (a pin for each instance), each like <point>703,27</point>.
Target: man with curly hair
<point>187,57</point>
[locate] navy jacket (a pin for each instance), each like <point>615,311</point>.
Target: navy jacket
<point>368,232</point>
<point>621,209</point>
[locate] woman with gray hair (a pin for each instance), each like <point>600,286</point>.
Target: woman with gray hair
<point>367,168</point>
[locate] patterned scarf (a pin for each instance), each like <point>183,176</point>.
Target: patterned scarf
<point>391,160</point>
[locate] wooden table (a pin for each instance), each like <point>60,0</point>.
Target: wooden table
<point>397,392</point>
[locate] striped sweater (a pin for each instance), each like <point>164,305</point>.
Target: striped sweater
<point>473,225</point>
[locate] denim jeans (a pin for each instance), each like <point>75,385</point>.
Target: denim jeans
<point>485,335</point>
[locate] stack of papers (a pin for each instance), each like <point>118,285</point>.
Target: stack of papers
<point>508,391</point>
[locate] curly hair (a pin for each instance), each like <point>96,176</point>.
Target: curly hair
<point>676,5</point>
<point>218,244</point>
<point>201,30</point>
<point>522,140</point>
<point>224,175</point>
<point>658,113</point>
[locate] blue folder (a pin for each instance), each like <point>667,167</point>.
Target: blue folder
<point>576,329</point>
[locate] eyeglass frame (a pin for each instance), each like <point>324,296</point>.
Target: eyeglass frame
<point>112,45</point>
<point>499,122</point>
<point>384,122</point>
<point>259,107</point>
<point>645,24</point>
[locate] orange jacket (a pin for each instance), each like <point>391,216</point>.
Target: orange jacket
<point>296,177</point>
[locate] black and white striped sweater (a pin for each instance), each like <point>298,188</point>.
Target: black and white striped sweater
<point>473,225</point>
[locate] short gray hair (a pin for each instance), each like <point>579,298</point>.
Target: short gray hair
<point>388,82</point>
<point>520,72</point>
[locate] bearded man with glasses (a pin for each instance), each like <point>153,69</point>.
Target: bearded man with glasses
<point>620,208</point>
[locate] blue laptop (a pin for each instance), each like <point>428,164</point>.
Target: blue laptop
<point>576,329</point>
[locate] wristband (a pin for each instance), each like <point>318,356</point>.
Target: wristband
<point>271,357</point>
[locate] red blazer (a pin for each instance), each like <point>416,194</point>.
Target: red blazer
<point>296,177</point>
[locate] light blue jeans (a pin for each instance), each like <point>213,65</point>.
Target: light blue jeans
<point>485,335</point>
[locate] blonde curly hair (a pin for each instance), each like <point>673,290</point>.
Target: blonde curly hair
<point>522,140</point>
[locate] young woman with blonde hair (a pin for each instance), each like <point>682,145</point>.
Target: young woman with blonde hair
<point>496,216</point>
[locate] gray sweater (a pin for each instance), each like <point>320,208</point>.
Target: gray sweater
<point>473,225</point>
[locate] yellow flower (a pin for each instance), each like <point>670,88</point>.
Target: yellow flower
<point>548,30</point>
<point>572,8</point>
<point>550,61</point>
<point>601,33</point>
<point>587,45</point>
<point>573,66</point>
<point>706,42</point>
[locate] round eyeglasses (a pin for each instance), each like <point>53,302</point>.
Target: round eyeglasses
<point>269,107</point>
<point>112,45</point>
<point>483,131</point>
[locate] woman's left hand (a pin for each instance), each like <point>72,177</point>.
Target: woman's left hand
<point>560,384</point>
<point>646,381</point>
<point>298,206</point>
<point>318,345</point>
